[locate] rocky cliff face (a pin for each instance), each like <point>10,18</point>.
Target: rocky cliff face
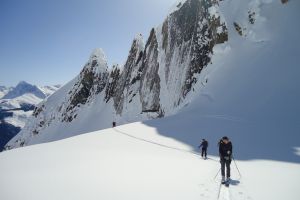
<point>156,78</point>
<point>129,75</point>
<point>150,78</point>
<point>92,81</point>
<point>174,55</point>
<point>188,36</point>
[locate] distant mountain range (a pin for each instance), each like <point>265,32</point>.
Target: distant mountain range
<point>17,104</point>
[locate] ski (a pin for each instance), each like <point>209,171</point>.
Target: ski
<point>227,183</point>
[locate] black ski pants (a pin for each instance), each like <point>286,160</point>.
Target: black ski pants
<point>204,152</point>
<point>225,163</point>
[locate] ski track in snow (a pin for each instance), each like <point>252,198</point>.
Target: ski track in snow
<point>235,191</point>
<point>224,193</point>
<point>208,186</point>
<point>154,143</point>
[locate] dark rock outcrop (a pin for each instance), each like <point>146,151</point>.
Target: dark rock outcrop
<point>92,81</point>
<point>129,74</point>
<point>150,80</point>
<point>111,88</point>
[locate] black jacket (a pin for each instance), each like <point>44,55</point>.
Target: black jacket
<point>204,144</point>
<point>225,150</point>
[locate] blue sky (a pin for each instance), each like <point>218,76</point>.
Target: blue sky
<point>47,42</point>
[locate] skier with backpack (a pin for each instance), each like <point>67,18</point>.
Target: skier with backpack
<point>225,152</point>
<point>204,145</point>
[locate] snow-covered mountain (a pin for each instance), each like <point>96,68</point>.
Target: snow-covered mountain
<point>154,82</point>
<point>16,106</point>
<point>248,90</point>
<point>24,88</point>
<point>164,74</point>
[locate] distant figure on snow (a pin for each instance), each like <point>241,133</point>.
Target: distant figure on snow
<point>114,124</point>
<point>225,152</point>
<point>204,145</point>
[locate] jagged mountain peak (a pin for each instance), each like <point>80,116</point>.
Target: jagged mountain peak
<point>99,55</point>
<point>139,40</point>
<point>97,61</point>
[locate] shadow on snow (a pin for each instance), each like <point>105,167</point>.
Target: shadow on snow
<point>270,141</point>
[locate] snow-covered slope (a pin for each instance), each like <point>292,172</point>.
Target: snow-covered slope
<point>48,90</point>
<point>111,165</point>
<point>17,102</point>
<point>249,91</point>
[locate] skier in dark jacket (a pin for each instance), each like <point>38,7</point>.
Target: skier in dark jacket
<point>204,145</point>
<point>225,151</point>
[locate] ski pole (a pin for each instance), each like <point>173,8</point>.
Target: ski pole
<point>217,174</point>
<point>237,167</point>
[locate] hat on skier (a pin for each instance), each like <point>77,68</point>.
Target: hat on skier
<point>225,138</point>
